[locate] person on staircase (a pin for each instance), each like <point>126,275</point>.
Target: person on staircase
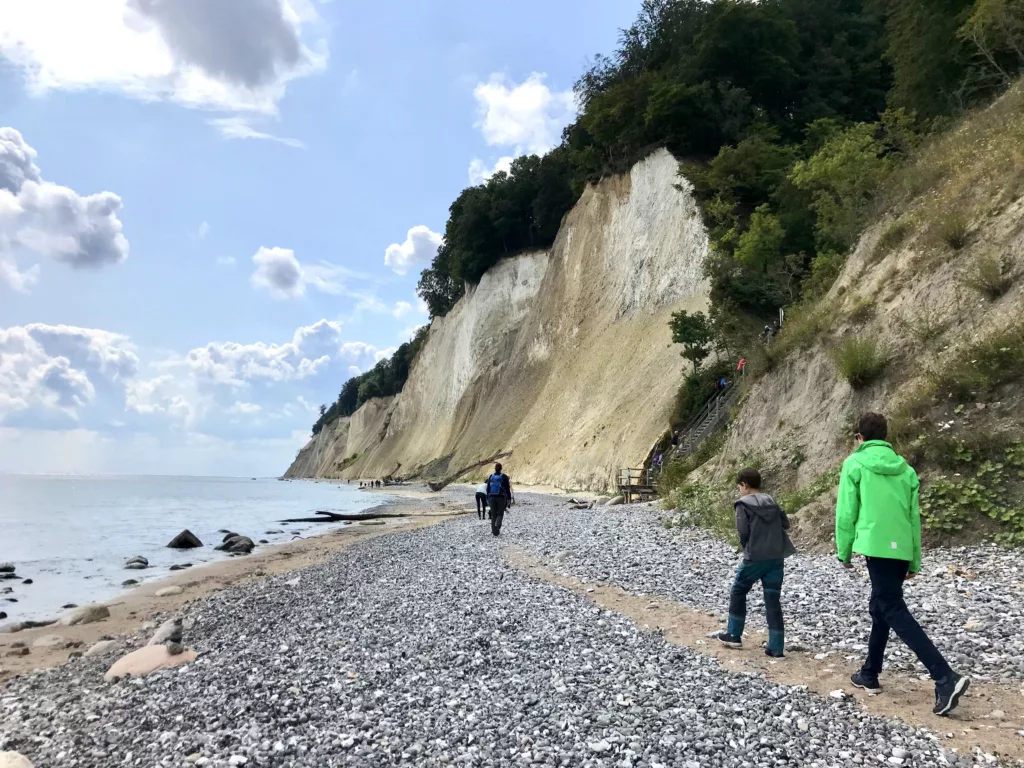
<point>499,497</point>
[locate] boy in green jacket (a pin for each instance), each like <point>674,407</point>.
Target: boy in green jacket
<point>877,515</point>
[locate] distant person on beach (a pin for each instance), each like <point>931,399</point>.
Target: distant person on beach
<point>877,515</point>
<point>762,525</point>
<point>481,501</point>
<point>499,497</point>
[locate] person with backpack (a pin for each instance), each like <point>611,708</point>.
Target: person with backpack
<point>877,516</point>
<point>499,497</point>
<point>762,526</point>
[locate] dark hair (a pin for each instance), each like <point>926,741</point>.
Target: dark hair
<point>749,477</point>
<point>497,467</point>
<point>872,426</point>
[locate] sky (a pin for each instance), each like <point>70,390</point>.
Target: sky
<point>214,212</point>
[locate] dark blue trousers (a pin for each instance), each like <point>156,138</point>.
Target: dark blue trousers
<point>769,573</point>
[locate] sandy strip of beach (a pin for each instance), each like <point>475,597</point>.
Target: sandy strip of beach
<point>132,609</point>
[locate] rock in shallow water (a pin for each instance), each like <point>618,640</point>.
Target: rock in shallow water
<point>185,540</point>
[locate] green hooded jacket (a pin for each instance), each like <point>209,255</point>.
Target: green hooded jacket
<point>877,513</point>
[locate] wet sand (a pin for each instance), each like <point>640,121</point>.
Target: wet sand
<point>132,609</point>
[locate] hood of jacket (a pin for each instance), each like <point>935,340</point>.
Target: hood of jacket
<point>879,457</point>
<point>762,505</point>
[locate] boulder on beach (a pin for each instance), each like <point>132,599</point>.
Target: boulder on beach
<point>26,581</point>
<point>147,660</point>
<point>3,615</point>
<point>102,648</point>
<point>88,614</point>
<point>170,591</point>
<point>169,632</point>
<point>49,641</point>
<point>272,532</point>
<point>14,760</point>
<point>229,535</point>
<point>129,583</point>
<point>136,563</point>
<point>8,575</point>
<point>6,567</point>
<point>181,567</point>
<point>185,540</point>
<point>18,626</point>
<point>237,545</point>
<point>614,501</point>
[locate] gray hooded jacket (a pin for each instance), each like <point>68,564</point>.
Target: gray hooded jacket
<point>762,525</point>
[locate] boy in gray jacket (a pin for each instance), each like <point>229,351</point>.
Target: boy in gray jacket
<point>762,526</point>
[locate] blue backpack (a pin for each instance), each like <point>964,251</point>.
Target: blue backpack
<point>494,485</point>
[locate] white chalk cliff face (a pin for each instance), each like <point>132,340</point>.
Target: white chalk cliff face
<point>562,358</point>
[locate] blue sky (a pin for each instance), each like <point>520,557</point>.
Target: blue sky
<point>213,212</point>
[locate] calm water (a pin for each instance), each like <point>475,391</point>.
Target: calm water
<point>71,535</point>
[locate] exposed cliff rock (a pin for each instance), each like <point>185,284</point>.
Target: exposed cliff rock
<point>562,358</point>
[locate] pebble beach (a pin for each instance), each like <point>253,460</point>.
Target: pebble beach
<point>431,647</point>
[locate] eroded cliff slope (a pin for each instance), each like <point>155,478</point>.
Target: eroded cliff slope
<point>562,358</point>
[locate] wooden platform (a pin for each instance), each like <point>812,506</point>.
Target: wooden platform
<point>636,483</point>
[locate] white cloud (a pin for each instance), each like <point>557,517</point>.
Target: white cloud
<point>239,127</point>
<point>42,219</point>
<point>204,230</point>
<point>59,367</point>
<point>420,247</point>
<point>244,409</point>
<point>281,274</point>
<point>479,173</point>
<point>226,261</point>
<point>402,308</point>
<point>19,281</point>
<point>163,395</point>
<point>278,272</point>
<point>528,116</point>
<point>311,349</point>
<point>230,54</point>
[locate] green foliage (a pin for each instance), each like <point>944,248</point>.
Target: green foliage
<point>696,390</point>
<point>707,507</point>
<point>846,173</point>
<point>825,269</point>
<point>512,212</point>
<point>386,378</point>
<point>891,238</point>
<point>694,333</point>
<point>991,490</point>
<point>990,275</point>
<point>860,360</point>
<point>675,474</point>
<point>928,58</point>
<point>796,500</point>
<point>978,370</point>
<point>806,323</point>
<point>925,324</point>
<point>951,229</point>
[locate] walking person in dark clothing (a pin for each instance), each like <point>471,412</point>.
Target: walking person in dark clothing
<point>481,501</point>
<point>762,525</point>
<point>877,515</point>
<point>499,497</point>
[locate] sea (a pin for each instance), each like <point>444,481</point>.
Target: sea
<point>71,535</point>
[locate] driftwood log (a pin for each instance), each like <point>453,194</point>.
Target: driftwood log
<point>337,517</point>
<point>452,478</point>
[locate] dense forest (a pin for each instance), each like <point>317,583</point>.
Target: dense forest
<point>386,378</point>
<point>774,104</point>
<point>787,115</point>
